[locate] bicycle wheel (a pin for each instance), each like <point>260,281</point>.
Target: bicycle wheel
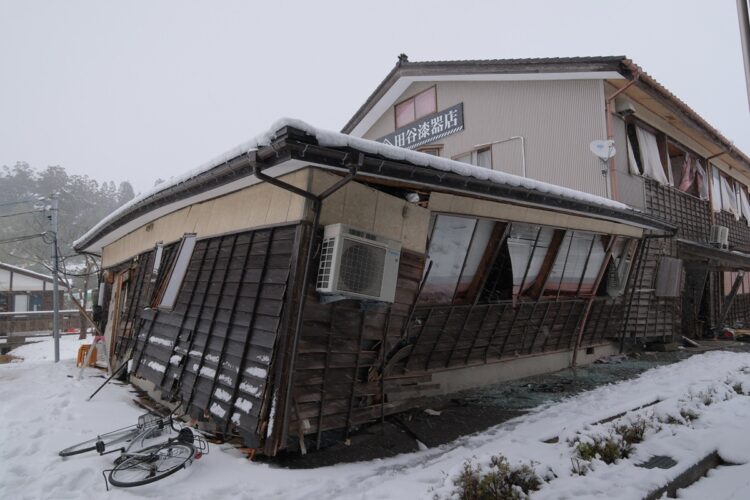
<point>151,464</point>
<point>107,439</point>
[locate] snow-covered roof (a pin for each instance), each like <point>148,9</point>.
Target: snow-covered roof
<point>27,272</point>
<point>329,138</point>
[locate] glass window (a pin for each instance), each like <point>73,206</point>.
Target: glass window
<point>424,103</point>
<point>482,235</point>
<point>449,244</point>
<point>571,268</point>
<point>480,158</point>
<point>528,246</point>
<point>405,113</point>
<point>715,189</point>
<point>169,297</point>
<point>420,105</point>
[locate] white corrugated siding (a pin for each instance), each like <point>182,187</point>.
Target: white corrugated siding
<point>558,120</point>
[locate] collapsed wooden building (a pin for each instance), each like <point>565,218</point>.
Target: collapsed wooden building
<point>312,281</point>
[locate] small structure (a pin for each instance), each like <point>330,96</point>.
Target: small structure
<point>25,300</point>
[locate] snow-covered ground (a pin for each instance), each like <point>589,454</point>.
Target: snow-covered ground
<point>43,409</point>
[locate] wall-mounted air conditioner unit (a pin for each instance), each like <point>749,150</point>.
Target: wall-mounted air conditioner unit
<point>358,264</point>
<point>719,236</point>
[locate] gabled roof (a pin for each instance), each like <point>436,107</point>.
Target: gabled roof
<point>31,274</point>
<point>290,139</point>
<point>607,67</point>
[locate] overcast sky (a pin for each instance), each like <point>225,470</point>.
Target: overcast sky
<point>135,90</point>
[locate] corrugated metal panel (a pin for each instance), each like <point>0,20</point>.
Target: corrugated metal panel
<point>558,120</point>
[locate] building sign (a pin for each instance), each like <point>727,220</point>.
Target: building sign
<point>427,129</point>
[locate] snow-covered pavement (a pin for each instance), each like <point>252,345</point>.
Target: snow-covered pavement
<point>43,409</point>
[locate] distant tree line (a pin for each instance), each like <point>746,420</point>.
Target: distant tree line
<point>83,202</point>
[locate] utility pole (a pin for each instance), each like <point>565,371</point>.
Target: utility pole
<point>55,276</point>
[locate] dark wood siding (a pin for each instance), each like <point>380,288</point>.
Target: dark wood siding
<point>215,349</point>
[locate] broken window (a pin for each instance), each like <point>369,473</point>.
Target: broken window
<point>157,261</point>
<point>528,246</point>
<point>687,171</point>
<point>458,255</point>
<point>650,162</point>
<point>478,260</point>
<point>177,274</point>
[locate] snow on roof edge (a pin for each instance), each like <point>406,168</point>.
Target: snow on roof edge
<point>26,271</point>
<point>338,139</point>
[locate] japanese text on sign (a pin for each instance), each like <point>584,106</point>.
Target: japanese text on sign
<point>427,129</point>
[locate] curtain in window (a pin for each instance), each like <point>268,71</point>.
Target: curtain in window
<point>701,179</point>
<point>728,198</point>
<point>632,164</point>
<point>745,206</point>
<point>693,175</point>
<point>650,158</point>
<point>715,189</point>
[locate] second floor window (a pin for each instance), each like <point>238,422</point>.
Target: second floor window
<point>479,157</point>
<point>416,107</point>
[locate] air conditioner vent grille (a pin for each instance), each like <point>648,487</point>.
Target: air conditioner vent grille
<point>361,268</point>
<point>326,262</point>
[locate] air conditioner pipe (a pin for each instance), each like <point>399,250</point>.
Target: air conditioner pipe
<point>317,203</point>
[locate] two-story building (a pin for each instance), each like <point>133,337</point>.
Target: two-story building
<point>473,224</point>
<point>537,118</point>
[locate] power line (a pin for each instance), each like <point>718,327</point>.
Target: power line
<point>6,204</point>
<point>21,213</point>
<point>22,238</point>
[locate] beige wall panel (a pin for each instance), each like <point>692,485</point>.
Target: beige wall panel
<point>203,224</point>
<point>440,202</point>
<point>258,205</point>
<point>372,210</point>
<point>360,208</point>
<point>390,218</point>
<point>558,120</point>
<point>416,225</point>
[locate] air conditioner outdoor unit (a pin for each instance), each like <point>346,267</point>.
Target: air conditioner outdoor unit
<point>358,264</point>
<point>720,236</point>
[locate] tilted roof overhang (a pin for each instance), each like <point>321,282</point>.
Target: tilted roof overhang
<point>527,68</point>
<point>291,144</point>
<point>715,257</point>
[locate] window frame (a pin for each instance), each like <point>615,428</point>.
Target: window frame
<point>474,157</point>
<point>413,100</point>
<point>174,281</point>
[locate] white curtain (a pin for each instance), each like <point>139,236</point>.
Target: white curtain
<point>715,190</point>
<point>702,180</point>
<point>728,198</point>
<point>745,205</point>
<point>650,159</point>
<point>632,164</point>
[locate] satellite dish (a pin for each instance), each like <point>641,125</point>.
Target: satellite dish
<point>603,149</point>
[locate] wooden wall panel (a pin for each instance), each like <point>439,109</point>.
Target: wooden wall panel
<point>215,349</point>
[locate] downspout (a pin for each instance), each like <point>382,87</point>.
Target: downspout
<point>317,203</point>
<point>590,302</point>
<point>610,131</point>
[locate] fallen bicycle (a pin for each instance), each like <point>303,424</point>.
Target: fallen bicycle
<point>146,464</point>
